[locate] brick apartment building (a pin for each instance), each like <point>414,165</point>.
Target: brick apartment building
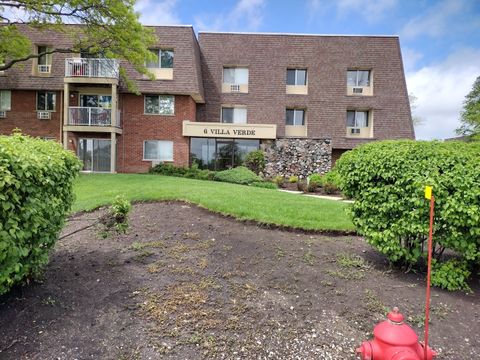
<point>303,99</point>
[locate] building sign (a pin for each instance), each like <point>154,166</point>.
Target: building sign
<point>236,131</point>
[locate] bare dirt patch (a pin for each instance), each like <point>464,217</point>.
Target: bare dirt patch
<point>188,284</point>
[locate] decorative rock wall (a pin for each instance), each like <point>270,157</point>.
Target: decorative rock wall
<point>299,157</point>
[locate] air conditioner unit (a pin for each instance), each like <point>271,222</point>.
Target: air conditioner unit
<point>44,68</point>
<point>358,90</point>
<point>3,114</point>
<point>234,88</point>
<point>355,131</point>
<point>43,115</point>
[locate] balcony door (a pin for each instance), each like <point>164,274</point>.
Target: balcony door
<point>95,154</point>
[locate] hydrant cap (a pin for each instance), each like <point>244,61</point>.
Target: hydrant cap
<point>395,316</point>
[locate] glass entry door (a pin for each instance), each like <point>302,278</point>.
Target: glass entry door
<point>95,154</point>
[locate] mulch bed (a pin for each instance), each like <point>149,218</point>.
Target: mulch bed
<point>184,283</point>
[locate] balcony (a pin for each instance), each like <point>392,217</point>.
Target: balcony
<point>92,119</point>
<point>91,70</point>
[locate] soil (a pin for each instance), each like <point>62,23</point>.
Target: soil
<point>185,283</point>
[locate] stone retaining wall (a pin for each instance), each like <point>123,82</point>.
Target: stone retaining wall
<point>299,157</point>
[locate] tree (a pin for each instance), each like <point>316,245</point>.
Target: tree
<point>470,115</point>
<point>416,119</point>
<point>110,27</point>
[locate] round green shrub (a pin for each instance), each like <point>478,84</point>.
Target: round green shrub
<point>293,179</point>
<point>317,178</point>
<point>238,175</point>
<point>36,193</point>
<point>255,161</point>
<point>387,181</point>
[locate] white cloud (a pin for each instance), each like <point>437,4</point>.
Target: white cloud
<point>247,15</point>
<point>410,58</point>
<point>371,10</point>
<point>154,12</point>
<point>436,21</point>
<point>440,90</point>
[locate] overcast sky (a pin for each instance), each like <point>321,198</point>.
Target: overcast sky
<point>440,40</point>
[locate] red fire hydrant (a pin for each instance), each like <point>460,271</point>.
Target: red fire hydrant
<point>394,340</point>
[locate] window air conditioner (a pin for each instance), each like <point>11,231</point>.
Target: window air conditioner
<point>3,114</point>
<point>44,68</point>
<point>358,90</point>
<point>355,131</point>
<point>235,88</point>
<point>43,115</point>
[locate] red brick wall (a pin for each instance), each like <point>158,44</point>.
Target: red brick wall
<point>23,115</point>
<point>138,127</point>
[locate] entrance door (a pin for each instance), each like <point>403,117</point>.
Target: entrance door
<point>95,154</point>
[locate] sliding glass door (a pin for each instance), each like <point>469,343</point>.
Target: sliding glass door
<point>95,154</point>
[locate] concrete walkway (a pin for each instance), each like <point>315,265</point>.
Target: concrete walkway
<point>326,197</point>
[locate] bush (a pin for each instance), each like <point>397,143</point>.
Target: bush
<point>255,161</point>
<point>238,175</point>
<point>169,170</point>
<point>313,185</point>
<point>279,180</point>
<point>293,179</point>
<point>317,178</point>
<point>36,193</point>
<point>332,178</point>
<point>302,186</point>
<point>266,185</point>
<point>192,172</point>
<point>451,275</point>
<point>387,181</point>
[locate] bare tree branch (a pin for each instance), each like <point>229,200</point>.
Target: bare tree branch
<point>10,63</point>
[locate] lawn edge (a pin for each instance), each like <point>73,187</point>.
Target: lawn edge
<point>261,224</point>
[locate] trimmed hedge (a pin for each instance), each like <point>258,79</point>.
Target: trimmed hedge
<point>36,179</point>
<point>238,175</point>
<point>192,172</point>
<point>387,181</point>
<point>255,161</point>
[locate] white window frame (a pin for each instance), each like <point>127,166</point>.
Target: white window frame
<point>356,77</point>
<point>294,116</point>
<point>296,76</point>
<point>10,100</point>
<point>158,114</point>
<point>235,109</point>
<point>46,102</point>
<point>355,119</point>
<point>158,141</point>
<point>159,55</point>
<point>235,69</point>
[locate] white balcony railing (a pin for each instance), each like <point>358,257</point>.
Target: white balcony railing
<point>93,68</point>
<point>90,116</point>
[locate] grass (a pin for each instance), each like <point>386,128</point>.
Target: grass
<point>242,202</point>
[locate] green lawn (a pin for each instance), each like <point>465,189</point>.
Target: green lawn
<point>243,202</point>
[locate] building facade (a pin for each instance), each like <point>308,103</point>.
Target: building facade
<point>303,99</point>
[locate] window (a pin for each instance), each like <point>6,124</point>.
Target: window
<point>42,60</point>
<point>358,77</point>
<point>5,100</point>
<point>357,119</point>
<point>234,115</point>
<point>295,117</point>
<point>297,77</point>
<point>164,59</point>
<point>103,101</point>
<point>45,101</point>
<point>158,150</point>
<point>235,76</point>
<point>160,104</point>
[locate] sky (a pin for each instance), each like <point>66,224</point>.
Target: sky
<point>440,40</point>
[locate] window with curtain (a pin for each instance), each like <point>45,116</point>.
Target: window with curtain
<point>5,100</point>
<point>160,104</point>
<point>234,115</point>
<point>158,150</point>
<point>358,77</point>
<point>295,117</point>
<point>296,77</point>
<point>357,119</point>
<point>235,75</point>
<point>164,59</point>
